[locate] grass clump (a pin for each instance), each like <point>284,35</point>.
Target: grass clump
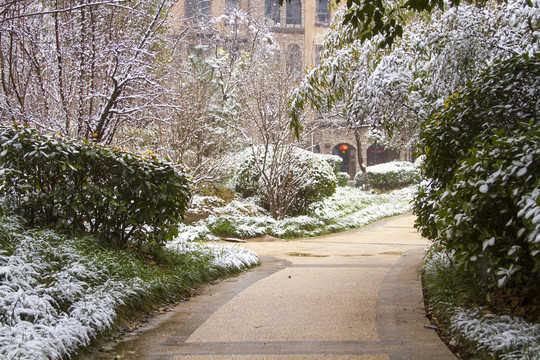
<point>60,293</point>
<point>466,316</point>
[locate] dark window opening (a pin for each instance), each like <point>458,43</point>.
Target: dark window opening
<point>376,154</point>
<point>230,6</point>
<point>200,9</point>
<point>323,12</point>
<point>294,13</point>
<point>272,10</point>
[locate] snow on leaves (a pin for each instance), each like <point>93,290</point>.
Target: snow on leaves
<point>397,90</point>
<point>56,294</point>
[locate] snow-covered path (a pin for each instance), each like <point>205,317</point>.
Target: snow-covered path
<point>353,295</point>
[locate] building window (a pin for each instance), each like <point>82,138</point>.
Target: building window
<point>230,6</point>
<point>200,9</point>
<point>271,10</point>
<point>323,12</point>
<point>294,13</point>
<point>294,60</point>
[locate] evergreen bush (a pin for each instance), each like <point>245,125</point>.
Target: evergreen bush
<point>343,178</point>
<point>482,197</point>
<point>390,176</point>
<point>78,186</point>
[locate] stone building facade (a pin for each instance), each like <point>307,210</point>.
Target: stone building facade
<point>300,27</point>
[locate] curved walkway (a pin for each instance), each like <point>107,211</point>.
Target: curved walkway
<point>352,295</point>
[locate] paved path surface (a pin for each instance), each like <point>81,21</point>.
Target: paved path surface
<point>353,295</point>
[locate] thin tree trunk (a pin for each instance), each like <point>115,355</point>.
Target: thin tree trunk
<point>360,158</point>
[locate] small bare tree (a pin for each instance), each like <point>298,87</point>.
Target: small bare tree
<point>275,144</point>
<point>211,69</point>
<point>85,68</point>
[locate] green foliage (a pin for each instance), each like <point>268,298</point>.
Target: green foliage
<point>484,212</point>
<point>83,187</point>
<point>502,98</point>
<point>377,17</point>
<point>390,176</point>
<point>444,283</point>
<point>482,158</point>
<point>343,178</point>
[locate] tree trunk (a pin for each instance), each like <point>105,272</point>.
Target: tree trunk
<point>360,158</point>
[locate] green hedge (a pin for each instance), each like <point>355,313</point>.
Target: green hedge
<point>390,176</point>
<point>482,161</point>
<point>119,196</point>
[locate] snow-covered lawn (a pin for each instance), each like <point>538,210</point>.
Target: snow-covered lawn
<point>58,293</point>
<point>348,208</point>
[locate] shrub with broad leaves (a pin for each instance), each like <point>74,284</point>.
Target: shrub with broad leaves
<point>482,158</point>
<point>78,186</point>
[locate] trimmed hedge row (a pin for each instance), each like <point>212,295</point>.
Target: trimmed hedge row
<point>78,186</point>
<point>390,176</point>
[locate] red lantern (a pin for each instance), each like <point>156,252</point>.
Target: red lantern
<point>343,148</point>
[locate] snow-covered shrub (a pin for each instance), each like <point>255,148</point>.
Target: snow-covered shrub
<point>86,187</point>
<point>489,213</point>
<point>482,156</point>
<point>389,176</point>
<point>315,175</point>
<point>343,178</point>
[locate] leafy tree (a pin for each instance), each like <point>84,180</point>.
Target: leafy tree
<point>393,91</point>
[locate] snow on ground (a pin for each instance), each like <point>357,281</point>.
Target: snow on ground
<point>346,209</point>
<point>57,294</point>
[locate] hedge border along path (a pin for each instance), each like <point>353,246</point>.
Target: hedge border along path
<point>81,186</point>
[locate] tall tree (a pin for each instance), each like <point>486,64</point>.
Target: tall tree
<point>394,91</point>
